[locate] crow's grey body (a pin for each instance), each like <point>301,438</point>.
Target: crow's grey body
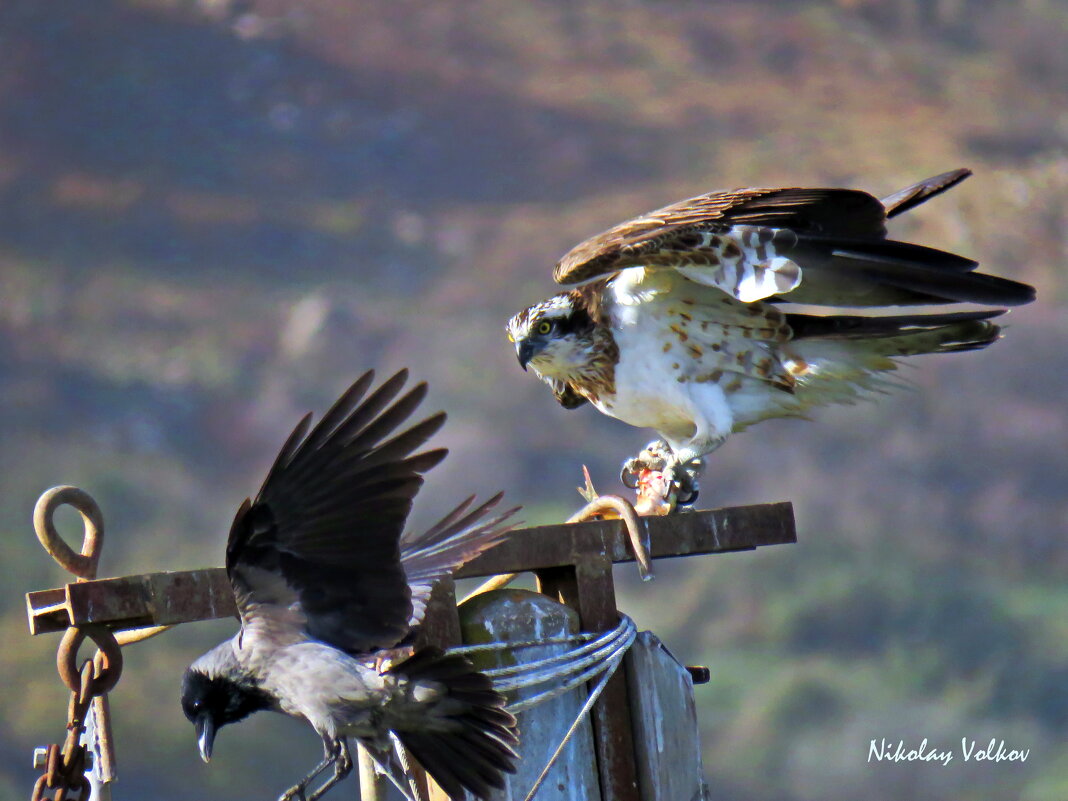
<point>324,581</point>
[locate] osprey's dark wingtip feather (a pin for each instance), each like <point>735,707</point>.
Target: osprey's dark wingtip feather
<point>920,275</point>
<point>912,196</point>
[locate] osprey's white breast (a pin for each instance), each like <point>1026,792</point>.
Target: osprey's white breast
<point>655,386</point>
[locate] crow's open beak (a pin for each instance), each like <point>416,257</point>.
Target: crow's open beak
<point>205,727</point>
<point>525,351</point>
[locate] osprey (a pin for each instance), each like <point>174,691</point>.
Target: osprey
<point>680,322</point>
<point>324,581</point>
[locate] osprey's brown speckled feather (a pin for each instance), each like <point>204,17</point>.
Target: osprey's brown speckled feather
<point>674,230</point>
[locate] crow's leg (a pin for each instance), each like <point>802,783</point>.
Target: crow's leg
<point>342,768</point>
<point>330,756</point>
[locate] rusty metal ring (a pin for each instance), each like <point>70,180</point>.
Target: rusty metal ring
<point>107,676</point>
<point>53,761</point>
<point>81,564</point>
<point>39,788</point>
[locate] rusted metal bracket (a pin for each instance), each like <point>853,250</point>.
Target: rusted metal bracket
<point>152,599</point>
<point>160,599</point>
<point>737,528</point>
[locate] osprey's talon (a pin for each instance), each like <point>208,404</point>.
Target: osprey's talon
<point>655,457</point>
<point>684,480</point>
<point>687,495</point>
<point>687,492</point>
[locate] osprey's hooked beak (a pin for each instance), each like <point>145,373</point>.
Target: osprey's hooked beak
<point>525,350</point>
<point>205,727</point>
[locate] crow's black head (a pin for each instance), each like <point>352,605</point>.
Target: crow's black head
<point>211,702</point>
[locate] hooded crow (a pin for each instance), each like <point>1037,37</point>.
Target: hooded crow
<point>325,581</point>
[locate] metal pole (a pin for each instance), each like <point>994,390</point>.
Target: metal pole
<point>100,771</point>
<point>372,783</point>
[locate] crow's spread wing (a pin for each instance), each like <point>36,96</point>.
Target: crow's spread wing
<point>453,541</point>
<point>317,553</point>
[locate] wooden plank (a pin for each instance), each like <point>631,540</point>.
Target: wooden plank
<point>665,723</point>
<point>156,599</point>
<point>587,587</point>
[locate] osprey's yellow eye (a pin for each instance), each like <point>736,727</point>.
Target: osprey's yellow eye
<point>510,337</point>
<point>544,327</point>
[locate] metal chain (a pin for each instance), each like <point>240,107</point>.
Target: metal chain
<point>65,766</point>
<point>64,769</point>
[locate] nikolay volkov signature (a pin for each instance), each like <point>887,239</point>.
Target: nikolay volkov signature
<point>996,751</point>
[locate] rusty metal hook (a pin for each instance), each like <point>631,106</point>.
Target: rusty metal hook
<point>84,564</point>
<point>89,683</point>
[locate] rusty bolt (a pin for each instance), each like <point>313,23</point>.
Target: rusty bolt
<point>40,758</point>
<point>699,674</point>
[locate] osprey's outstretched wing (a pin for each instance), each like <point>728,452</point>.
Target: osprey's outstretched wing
<point>815,246</point>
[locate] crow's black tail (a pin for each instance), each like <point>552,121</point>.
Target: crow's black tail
<point>464,737</point>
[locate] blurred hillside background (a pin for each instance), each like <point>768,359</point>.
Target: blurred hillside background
<point>215,214</point>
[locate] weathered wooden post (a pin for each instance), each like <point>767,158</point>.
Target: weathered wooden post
<point>520,616</point>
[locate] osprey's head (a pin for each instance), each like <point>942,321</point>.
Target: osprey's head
<point>555,337</point>
<point>216,692</point>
